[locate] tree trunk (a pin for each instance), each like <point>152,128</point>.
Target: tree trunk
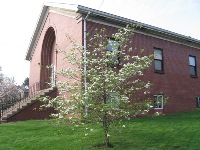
<point>105,119</point>
<point>105,127</point>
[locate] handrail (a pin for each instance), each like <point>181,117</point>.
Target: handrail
<point>10,103</point>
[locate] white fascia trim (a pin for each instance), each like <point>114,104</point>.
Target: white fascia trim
<point>118,19</point>
<point>173,41</point>
<point>72,14</point>
<point>37,32</point>
<point>47,8</point>
<point>158,37</point>
<point>64,6</point>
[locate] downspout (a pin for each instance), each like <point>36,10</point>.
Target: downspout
<point>85,57</point>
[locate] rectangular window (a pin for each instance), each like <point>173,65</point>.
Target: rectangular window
<point>193,67</point>
<point>114,49</point>
<point>198,102</point>
<point>113,99</point>
<point>158,60</point>
<point>158,101</point>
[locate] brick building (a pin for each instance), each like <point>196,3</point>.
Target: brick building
<point>174,72</point>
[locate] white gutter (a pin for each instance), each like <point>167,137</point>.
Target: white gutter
<point>41,22</point>
<point>85,56</point>
<point>122,20</point>
<point>114,19</point>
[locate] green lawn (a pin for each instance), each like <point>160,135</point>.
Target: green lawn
<point>180,131</point>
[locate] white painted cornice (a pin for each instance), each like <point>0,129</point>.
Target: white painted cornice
<point>77,11</point>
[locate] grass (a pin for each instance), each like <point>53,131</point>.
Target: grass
<point>180,131</point>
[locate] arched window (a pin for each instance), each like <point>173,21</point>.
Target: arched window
<point>47,74</point>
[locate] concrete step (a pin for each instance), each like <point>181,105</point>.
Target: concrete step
<point>18,107</point>
<point>3,121</point>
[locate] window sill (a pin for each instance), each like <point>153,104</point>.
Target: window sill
<point>160,72</point>
<point>158,108</point>
<point>193,76</point>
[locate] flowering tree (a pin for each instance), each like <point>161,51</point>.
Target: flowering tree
<point>102,82</point>
<point>9,91</point>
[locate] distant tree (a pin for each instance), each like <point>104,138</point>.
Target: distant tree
<point>1,75</point>
<point>101,87</point>
<point>9,90</point>
<point>26,82</point>
<point>25,87</point>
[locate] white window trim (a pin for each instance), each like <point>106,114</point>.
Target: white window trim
<point>162,102</point>
<point>53,75</point>
<point>193,65</point>
<point>113,47</point>
<point>198,99</point>
<point>158,59</point>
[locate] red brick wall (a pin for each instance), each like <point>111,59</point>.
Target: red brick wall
<point>176,82</point>
<point>62,25</point>
<point>33,111</point>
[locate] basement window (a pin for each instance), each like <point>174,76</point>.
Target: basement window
<point>113,99</point>
<point>198,102</point>
<point>158,101</point>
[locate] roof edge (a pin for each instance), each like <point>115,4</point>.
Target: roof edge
<point>114,18</point>
<point>34,35</point>
<point>84,10</point>
<point>46,5</point>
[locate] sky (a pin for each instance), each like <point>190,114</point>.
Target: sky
<point>19,19</point>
